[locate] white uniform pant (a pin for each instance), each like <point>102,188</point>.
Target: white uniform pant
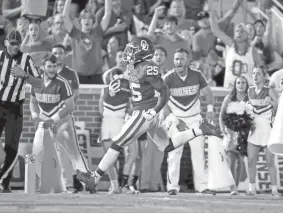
<point>197,157</point>
<point>70,156</point>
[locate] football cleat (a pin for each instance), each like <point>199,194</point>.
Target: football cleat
<point>78,186</point>
<point>172,192</point>
<point>115,190</point>
<point>88,179</point>
<point>209,129</point>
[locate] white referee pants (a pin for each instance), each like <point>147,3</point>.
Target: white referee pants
<point>197,157</point>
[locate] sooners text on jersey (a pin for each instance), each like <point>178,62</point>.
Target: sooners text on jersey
<point>51,97</point>
<point>184,100</point>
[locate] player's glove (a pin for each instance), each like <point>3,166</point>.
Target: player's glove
<point>149,114</point>
<point>114,87</point>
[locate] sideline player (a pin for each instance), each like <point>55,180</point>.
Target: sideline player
<point>144,78</point>
<point>69,151</point>
<point>113,107</point>
<point>185,85</point>
<point>53,103</point>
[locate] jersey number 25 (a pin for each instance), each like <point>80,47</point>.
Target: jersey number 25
<point>152,70</point>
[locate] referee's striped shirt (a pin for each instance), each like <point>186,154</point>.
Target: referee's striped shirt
<point>12,89</point>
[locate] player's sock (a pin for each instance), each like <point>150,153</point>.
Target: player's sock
<point>134,181</point>
<point>274,189</point>
<point>125,180</point>
<point>252,187</point>
<point>108,160</point>
<point>181,138</point>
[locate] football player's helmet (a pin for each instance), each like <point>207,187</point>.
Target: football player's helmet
<point>141,48</point>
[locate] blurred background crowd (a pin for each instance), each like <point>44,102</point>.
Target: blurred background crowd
<point>170,23</point>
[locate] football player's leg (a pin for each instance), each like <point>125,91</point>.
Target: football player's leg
<point>136,172</point>
<point>173,173</point>
<point>133,128</point>
<point>132,155</point>
<point>66,136</point>
<point>108,131</point>
<point>38,151</point>
<point>179,135</point>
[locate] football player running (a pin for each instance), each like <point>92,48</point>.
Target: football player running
<point>144,80</point>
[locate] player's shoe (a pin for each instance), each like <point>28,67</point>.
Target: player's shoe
<point>114,190</point>
<point>126,190</point>
<point>78,186</point>
<point>88,179</point>
<point>209,129</point>
<point>276,194</point>
<point>5,189</point>
<point>134,189</point>
<point>172,192</point>
<point>251,193</point>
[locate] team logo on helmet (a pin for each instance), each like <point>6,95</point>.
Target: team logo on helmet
<point>138,50</point>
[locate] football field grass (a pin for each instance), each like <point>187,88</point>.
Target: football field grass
<point>139,203</point>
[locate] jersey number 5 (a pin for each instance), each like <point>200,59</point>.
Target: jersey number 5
<point>152,70</point>
<point>136,95</point>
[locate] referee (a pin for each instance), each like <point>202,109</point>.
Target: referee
<point>16,69</point>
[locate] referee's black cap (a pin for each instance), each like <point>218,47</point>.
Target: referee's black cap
<point>14,37</point>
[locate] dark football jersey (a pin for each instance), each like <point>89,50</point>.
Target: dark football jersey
<point>144,80</point>
<point>71,76</point>
<point>51,97</point>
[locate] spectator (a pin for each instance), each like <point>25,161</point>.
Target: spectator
<point>32,44</point>
<point>159,57</point>
<point>251,32</point>
<point>231,104</point>
<point>170,40</point>
<point>178,10</point>
<point>272,59</point>
<point>119,64</point>
<point>264,101</point>
<point>241,57</point>
<point>109,58</point>
<point>22,26</point>
<point>121,22</point>
<point>276,82</point>
<point>41,46</point>
<point>204,39</point>
<point>11,11</point>
<point>86,43</point>
<point>58,7</point>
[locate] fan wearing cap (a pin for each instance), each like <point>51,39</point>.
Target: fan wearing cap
<point>16,68</point>
<point>241,56</point>
<point>204,39</point>
<point>86,43</point>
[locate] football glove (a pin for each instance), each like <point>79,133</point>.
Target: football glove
<point>114,87</point>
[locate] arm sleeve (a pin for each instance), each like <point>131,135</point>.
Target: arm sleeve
<point>202,81</point>
<point>30,68</point>
<point>75,81</point>
<point>65,90</point>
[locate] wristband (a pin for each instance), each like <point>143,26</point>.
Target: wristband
<point>56,118</point>
<point>209,108</point>
<point>34,115</point>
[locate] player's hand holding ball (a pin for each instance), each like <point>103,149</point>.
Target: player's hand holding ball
<point>114,87</point>
<point>149,114</point>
